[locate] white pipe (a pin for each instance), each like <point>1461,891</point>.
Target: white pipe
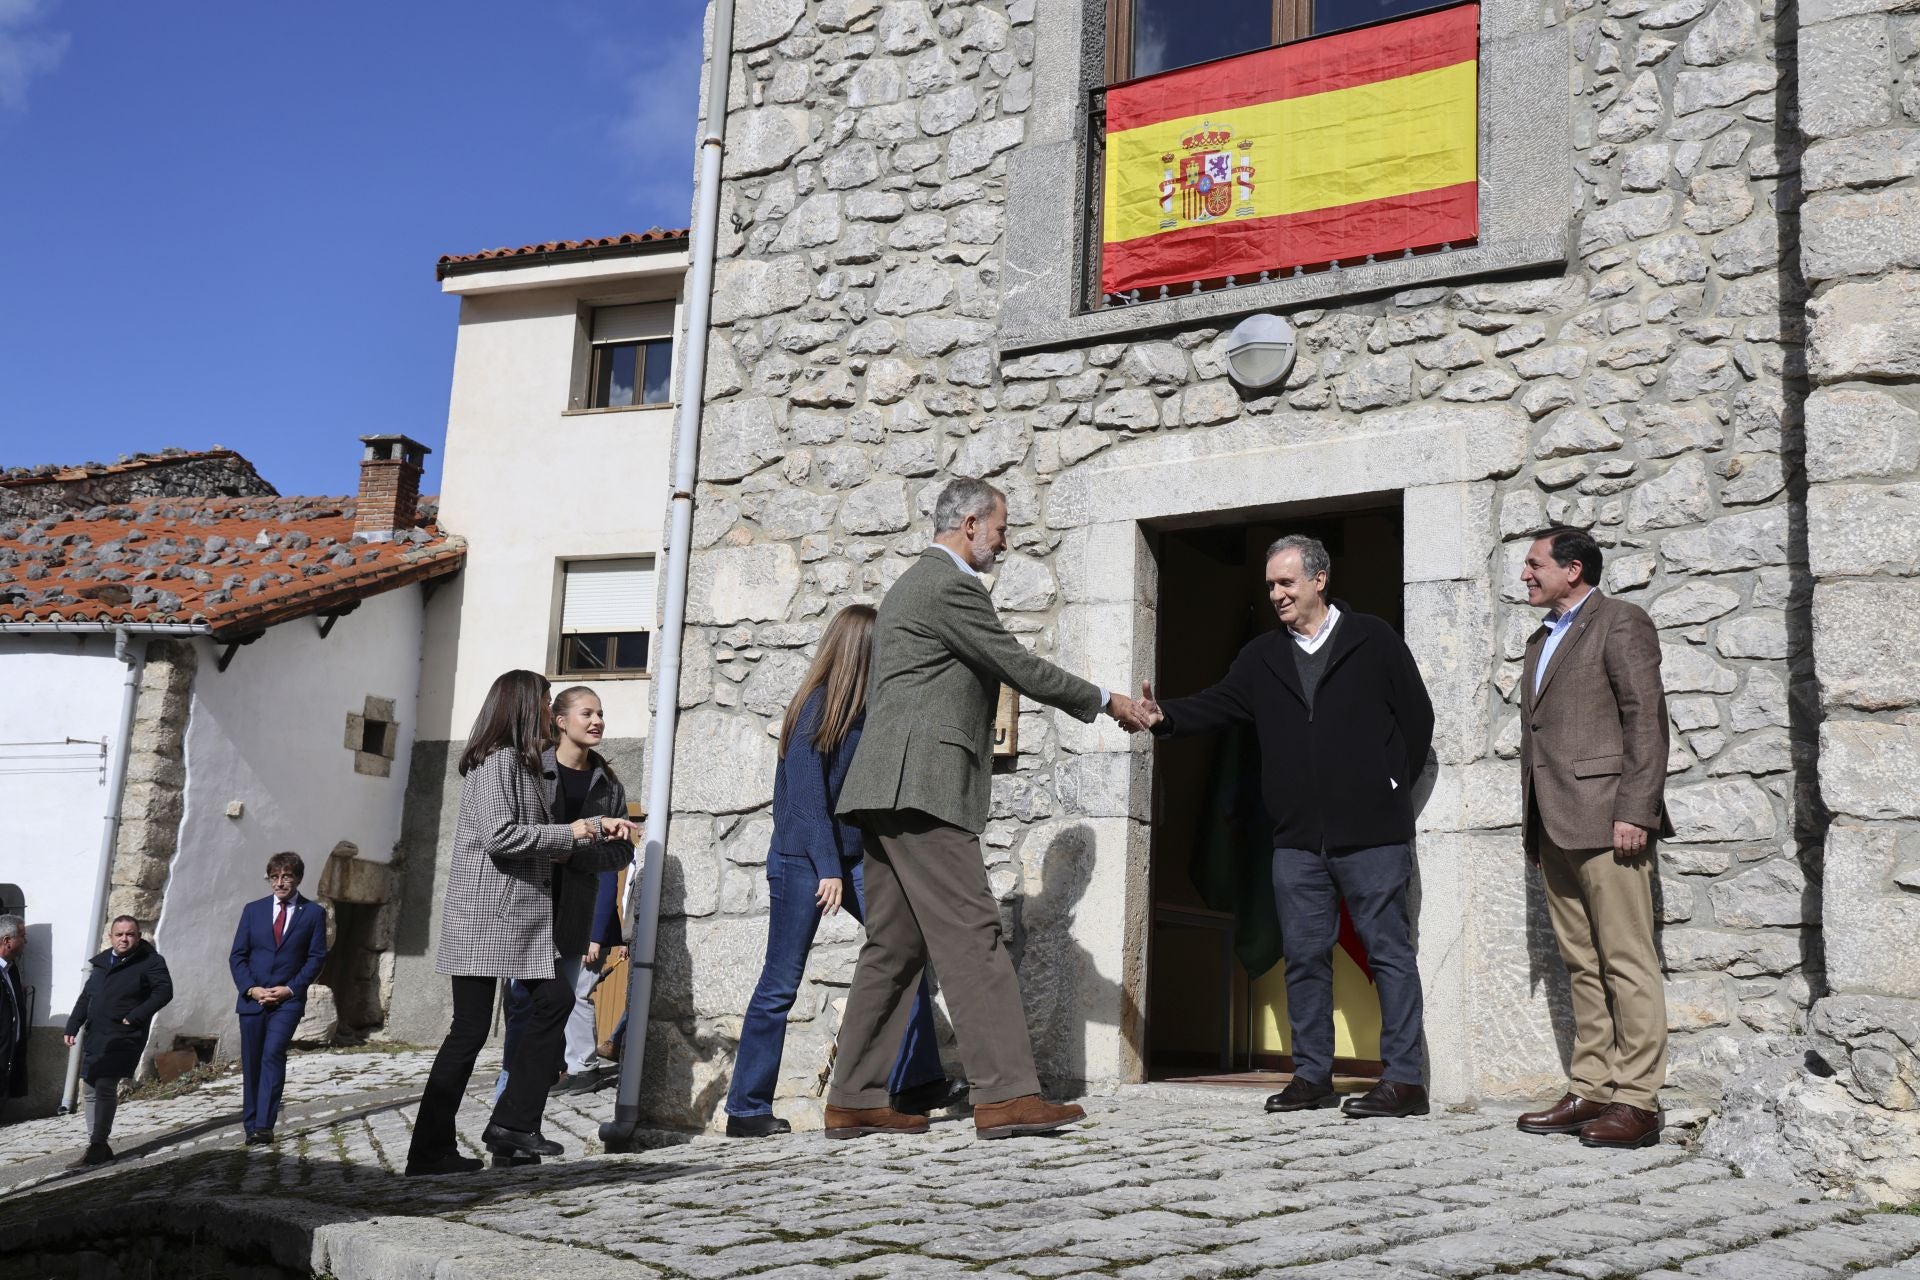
<point>136,664</point>
<point>645,913</point>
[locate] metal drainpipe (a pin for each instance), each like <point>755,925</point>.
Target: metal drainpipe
<point>135,659</point>
<point>618,1134</point>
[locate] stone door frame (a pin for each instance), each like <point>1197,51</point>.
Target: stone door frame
<point>1441,461</point>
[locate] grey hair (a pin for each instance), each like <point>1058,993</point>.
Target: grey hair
<point>962,498</point>
<point>1313,555</point>
<point>11,927</point>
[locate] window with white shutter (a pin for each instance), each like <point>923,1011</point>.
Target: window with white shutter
<point>606,616</point>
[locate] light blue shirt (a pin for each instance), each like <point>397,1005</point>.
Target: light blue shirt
<point>973,572</point>
<point>1557,628</point>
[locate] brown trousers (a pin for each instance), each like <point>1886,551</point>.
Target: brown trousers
<point>1602,912</point>
<point>927,897</point>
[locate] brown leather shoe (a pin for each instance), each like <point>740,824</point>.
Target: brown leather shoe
<point>851,1122</point>
<point>1569,1115</point>
<point>1622,1126</point>
<point>1029,1113</point>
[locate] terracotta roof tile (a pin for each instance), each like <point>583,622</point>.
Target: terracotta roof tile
<point>651,236</point>
<point>234,565</point>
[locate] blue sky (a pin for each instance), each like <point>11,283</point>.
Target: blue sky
<point>220,218</point>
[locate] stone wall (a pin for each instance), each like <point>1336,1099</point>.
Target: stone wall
<point>1650,388</point>
<point>35,493</point>
<point>1854,1117</point>
<point>155,795</point>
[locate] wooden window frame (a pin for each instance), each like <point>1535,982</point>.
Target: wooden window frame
<point>613,653</point>
<point>1291,20</point>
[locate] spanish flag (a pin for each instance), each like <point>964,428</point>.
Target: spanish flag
<point>1359,142</point>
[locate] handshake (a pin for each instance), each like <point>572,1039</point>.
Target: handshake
<point>1136,714</point>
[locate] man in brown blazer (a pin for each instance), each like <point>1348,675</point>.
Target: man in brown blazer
<point>1593,767</point>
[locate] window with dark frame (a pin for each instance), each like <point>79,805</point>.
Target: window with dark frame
<point>606,617</point>
<point>1146,36</point>
<point>632,356</point>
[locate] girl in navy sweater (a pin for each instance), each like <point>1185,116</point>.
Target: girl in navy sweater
<point>813,860</point>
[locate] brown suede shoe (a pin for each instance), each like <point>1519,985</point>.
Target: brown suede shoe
<point>1622,1126</point>
<point>1569,1115</point>
<point>1029,1113</point>
<point>851,1122</point>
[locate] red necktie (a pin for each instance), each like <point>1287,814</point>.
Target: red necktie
<point>279,924</point>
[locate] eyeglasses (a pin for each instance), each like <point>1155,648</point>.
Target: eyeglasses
<point>287,876</point>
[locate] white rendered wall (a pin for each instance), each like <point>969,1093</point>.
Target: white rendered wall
<point>529,485</point>
<point>56,687</point>
<point>269,732</point>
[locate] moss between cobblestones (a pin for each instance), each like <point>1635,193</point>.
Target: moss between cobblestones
<point>156,1090</point>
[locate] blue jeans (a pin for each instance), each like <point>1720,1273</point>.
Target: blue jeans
<point>1308,887</point>
<point>792,918</point>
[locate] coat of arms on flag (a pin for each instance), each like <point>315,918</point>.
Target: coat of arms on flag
<point>1368,142</point>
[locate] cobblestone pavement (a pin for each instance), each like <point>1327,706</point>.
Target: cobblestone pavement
<point>1161,1183</point>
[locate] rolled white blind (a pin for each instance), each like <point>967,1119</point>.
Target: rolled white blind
<point>641,322</point>
<point>608,595</point>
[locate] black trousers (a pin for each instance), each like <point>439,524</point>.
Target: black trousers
<point>530,1074</point>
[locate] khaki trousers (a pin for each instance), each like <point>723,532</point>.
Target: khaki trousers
<point>1602,912</point>
<point>927,897</point>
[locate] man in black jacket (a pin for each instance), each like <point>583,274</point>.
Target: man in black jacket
<point>15,1010</point>
<point>128,985</point>
<point>1344,724</point>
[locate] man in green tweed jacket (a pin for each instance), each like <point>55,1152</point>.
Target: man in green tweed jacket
<point>919,787</point>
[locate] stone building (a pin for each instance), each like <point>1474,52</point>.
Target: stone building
<point>34,492</point>
<point>1685,322</point>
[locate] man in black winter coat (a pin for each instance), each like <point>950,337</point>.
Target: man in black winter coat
<point>128,985</point>
<point>1344,724</point>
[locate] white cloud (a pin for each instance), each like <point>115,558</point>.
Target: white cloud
<point>25,53</point>
<point>656,134</point>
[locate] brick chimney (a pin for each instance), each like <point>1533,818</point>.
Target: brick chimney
<point>389,487</point>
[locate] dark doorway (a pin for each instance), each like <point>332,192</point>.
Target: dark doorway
<point>352,967</point>
<point>1206,1014</point>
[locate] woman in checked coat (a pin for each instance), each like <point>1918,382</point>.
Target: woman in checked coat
<point>497,922</point>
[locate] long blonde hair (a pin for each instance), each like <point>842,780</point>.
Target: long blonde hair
<point>840,668</point>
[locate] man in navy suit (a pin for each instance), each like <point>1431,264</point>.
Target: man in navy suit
<point>277,952</point>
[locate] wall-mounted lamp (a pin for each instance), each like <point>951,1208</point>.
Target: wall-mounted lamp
<point>1259,351</point>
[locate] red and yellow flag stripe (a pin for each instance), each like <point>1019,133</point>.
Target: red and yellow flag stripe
<point>1355,143</point>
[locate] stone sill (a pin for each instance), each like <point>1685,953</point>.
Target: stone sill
<point>619,408</point>
<point>581,677</point>
<point>1220,304</point>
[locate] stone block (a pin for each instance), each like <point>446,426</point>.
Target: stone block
<point>1863,650</point>
<point>740,437</point>
<point>1859,235</point>
<point>1866,907</point>
<point>1773,893</point>
<point>1104,563</point>
<point>1727,810</point>
<point>1448,531</point>
<point>1515,1001</point>
<point>1866,330</point>
<point>1761,634</point>
<point>746,288</point>
<point>742,584</point>
<point>1748,540</point>
<point>320,1020</point>
<point>1023,584</point>
<point>758,23</point>
<point>912,288</point>
<point>1870,769</point>
<point>1692,603</point>
<point>1685,669</point>
<point>1450,632</point>
<point>1871,1041</point>
<point>1679,496</point>
<point>1723,35</point>
<point>1744,954</point>
<point>1855,432</point>
<point>1846,76</point>
<point>1860,529</point>
<point>1694,1004</point>
<point>722,763</point>
<point>1721,86</point>
<point>1871,160</point>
